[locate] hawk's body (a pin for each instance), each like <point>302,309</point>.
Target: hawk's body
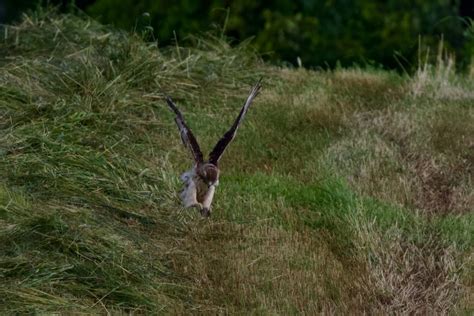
<point>200,182</point>
<point>196,192</point>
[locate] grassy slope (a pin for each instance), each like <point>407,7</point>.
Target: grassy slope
<point>344,191</point>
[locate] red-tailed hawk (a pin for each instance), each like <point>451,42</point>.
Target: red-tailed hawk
<point>200,182</point>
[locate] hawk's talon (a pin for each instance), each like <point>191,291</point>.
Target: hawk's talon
<point>205,212</point>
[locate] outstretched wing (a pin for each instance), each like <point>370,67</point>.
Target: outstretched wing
<point>186,135</point>
<point>222,144</point>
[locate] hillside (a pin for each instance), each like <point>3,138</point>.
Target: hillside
<point>344,191</point>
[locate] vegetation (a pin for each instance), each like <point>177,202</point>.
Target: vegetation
<point>315,33</point>
<point>345,191</point>
<point>319,33</point>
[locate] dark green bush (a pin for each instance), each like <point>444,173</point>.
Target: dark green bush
<point>317,33</point>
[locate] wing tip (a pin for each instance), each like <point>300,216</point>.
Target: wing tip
<point>169,100</point>
<point>257,86</point>
<point>172,106</point>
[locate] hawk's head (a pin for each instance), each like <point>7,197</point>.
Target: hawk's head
<point>208,173</point>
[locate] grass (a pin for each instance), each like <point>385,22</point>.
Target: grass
<point>346,191</point>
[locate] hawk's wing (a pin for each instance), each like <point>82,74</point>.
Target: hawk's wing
<point>186,135</point>
<point>221,145</point>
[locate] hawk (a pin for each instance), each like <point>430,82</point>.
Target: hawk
<point>200,182</point>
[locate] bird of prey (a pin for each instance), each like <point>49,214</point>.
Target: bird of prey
<point>200,182</point>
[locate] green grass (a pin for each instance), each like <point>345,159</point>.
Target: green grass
<point>344,192</point>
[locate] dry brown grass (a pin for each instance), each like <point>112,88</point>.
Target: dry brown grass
<point>411,276</point>
<point>357,90</point>
<point>439,80</point>
<point>421,158</point>
<point>440,186</point>
<point>452,131</point>
<point>372,167</point>
<point>467,301</point>
<point>263,269</point>
<point>415,153</point>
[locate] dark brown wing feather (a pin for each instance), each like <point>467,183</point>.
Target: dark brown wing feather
<point>186,135</point>
<point>221,145</point>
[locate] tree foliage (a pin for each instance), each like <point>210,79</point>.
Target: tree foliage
<point>319,33</point>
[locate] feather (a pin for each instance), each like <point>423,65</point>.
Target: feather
<point>222,144</point>
<point>187,136</point>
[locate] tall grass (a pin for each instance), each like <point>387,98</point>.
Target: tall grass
<point>344,192</point>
